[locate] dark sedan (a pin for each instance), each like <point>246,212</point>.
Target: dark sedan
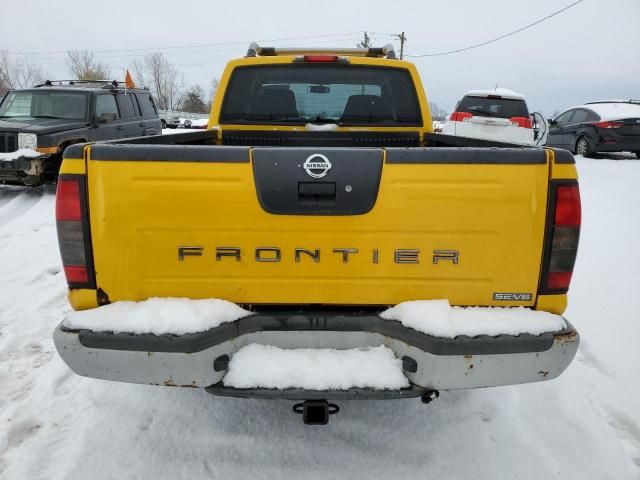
<point>610,126</point>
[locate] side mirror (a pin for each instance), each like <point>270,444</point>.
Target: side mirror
<point>551,121</point>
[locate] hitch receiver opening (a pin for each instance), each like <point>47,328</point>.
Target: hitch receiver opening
<point>316,412</point>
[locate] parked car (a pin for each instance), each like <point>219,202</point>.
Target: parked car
<point>499,115</point>
<point>50,117</point>
<point>201,123</point>
<point>169,119</point>
<point>605,126</point>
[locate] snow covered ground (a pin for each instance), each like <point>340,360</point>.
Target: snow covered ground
<point>584,425</point>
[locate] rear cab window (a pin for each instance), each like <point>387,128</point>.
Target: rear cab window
<point>493,106</point>
<point>299,94</point>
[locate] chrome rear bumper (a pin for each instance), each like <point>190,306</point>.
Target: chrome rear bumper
<point>430,363</point>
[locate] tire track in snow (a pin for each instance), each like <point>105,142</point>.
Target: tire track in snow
<point>628,432</point>
<point>18,204</point>
<point>8,194</point>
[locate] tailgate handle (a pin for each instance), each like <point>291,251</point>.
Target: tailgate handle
<point>317,193</point>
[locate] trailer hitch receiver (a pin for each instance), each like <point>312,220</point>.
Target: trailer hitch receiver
<point>316,412</point>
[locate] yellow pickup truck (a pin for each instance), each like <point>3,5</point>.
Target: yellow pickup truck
<point>318,198</point>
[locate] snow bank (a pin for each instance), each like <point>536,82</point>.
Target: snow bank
<point>438,318</point>
<point>23,152</point>
<point>175,316</point>
<point>266,366</point>
<point>325,127</point>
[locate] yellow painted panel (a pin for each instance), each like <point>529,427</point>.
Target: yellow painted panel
<point>560,171</point>
<point>552,303</point>
<point>564,171</point>
<point>82,299</point>
<point>73,166</point>
<point>493,215</point>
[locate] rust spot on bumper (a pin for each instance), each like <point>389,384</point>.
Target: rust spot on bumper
<point>170,383</point>
<point>570,337</point>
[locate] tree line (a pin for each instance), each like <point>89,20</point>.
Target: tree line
<point>154,71</point>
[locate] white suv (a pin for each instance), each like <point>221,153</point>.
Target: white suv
<point>499,115</point>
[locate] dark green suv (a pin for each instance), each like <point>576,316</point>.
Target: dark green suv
<point>37,124</point>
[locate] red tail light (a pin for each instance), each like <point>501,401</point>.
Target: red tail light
<point>524,122</point>
<point>73,231</point>
<point>609,124</point>
<point>562,236</point>
<point>460,116</point>
<point>68,200</point>
<point>559,280</point>
<point>321,58</point>
<point>76,274</point>
<point>568,210</point>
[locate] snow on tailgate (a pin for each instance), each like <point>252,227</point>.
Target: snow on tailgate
<point>438,318</point>
<point>265,366</point>
<point>158,316</point>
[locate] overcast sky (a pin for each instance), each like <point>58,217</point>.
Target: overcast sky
<point>589,52</point>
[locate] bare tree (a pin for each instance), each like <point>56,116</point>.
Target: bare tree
<point>18,73</point>
<point>365,42</point>
<point>4,75</point>
<point>84,67</point>
<point>161,77</point>
<point>437,113</point>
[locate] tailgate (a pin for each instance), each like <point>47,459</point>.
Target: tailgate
<point>350,226</point>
